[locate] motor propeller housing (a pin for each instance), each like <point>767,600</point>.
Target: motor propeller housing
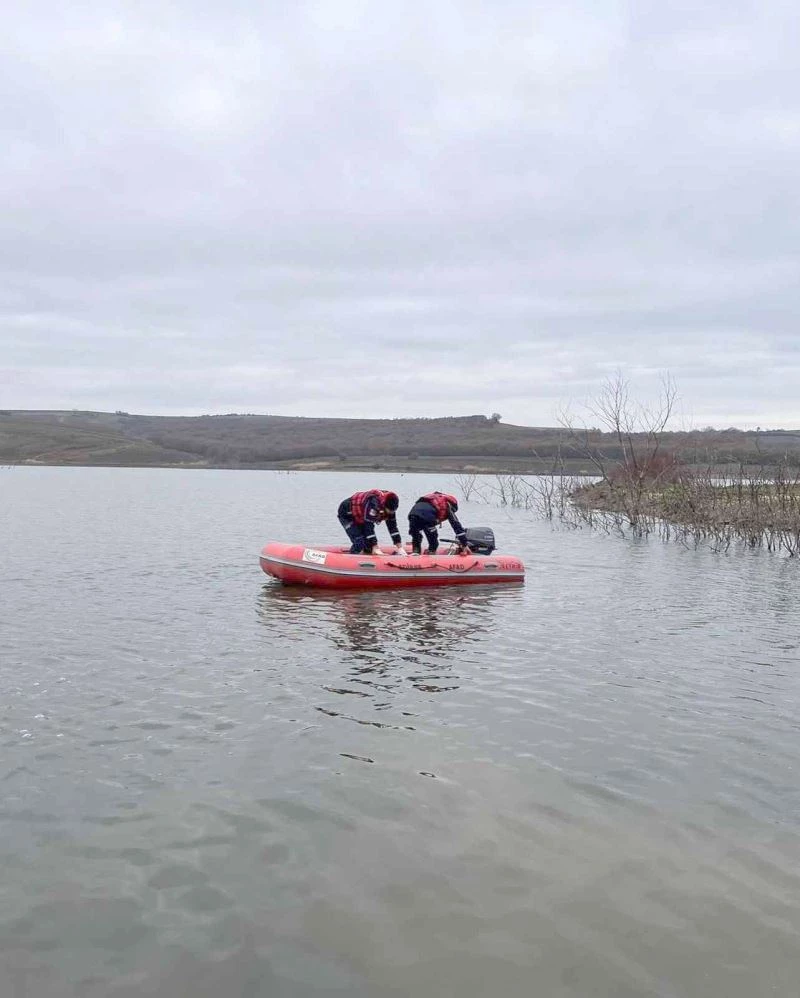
<point>480,540</point>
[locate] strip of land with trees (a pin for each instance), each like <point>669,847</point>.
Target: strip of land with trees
<point>476,444</point>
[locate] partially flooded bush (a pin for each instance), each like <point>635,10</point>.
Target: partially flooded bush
<point>756,509</point>
<point>642,488</point>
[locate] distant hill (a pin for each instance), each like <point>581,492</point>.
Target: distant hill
<point>457,443</point>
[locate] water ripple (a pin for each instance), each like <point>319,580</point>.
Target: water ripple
<point>217,785</point>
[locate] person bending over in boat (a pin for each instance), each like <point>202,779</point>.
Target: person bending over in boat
<point>425,516</point>
<point>362,512</point>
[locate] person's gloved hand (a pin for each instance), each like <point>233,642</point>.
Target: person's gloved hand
<point>401,551</point>
<point>464,550</point>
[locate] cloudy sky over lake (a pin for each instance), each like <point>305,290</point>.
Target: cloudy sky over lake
<point>354,208</point>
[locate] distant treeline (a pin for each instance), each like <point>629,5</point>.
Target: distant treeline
<point>253,441</point>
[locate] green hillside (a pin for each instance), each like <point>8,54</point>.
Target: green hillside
<point>459,443</point>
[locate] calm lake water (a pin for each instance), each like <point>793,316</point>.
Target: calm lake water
<point>216,787</point>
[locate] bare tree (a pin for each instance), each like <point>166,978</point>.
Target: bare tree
<point>635,462</point>
<point>644,489</point>
<point>467,484</point>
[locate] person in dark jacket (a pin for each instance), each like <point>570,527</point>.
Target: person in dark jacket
<point>425,516</point>
<point>362,512</point>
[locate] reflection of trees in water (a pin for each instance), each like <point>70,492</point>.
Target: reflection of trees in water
<point>386,633</point>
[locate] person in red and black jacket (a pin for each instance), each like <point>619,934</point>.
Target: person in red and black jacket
<point>425,516</point>
<point>362,512</point>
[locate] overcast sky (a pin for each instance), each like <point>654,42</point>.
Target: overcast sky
<point>354,208</point>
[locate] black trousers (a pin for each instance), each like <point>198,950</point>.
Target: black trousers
<point>422,520</point>
<point>357,532</point>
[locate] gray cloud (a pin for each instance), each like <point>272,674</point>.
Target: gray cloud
<point>354,209</point>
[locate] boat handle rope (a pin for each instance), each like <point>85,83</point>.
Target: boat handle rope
<point>459,567</point>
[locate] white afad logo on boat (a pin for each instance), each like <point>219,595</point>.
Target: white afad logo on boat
<point>318,557</point>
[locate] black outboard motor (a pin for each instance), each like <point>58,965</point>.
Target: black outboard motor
<point>480,540</point>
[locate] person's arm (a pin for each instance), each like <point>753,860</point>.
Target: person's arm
<point>372,515</point>
<point>458,530</point>
<point>391,525</point>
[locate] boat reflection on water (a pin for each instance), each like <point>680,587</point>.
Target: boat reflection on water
<point>388,636</point>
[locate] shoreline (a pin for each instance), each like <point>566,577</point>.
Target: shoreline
<point>370,466</point>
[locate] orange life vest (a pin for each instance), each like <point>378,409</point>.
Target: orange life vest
<point>441,502</point>
<point>358,504</point>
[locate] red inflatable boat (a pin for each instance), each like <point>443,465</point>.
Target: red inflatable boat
<point>336,568</point>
